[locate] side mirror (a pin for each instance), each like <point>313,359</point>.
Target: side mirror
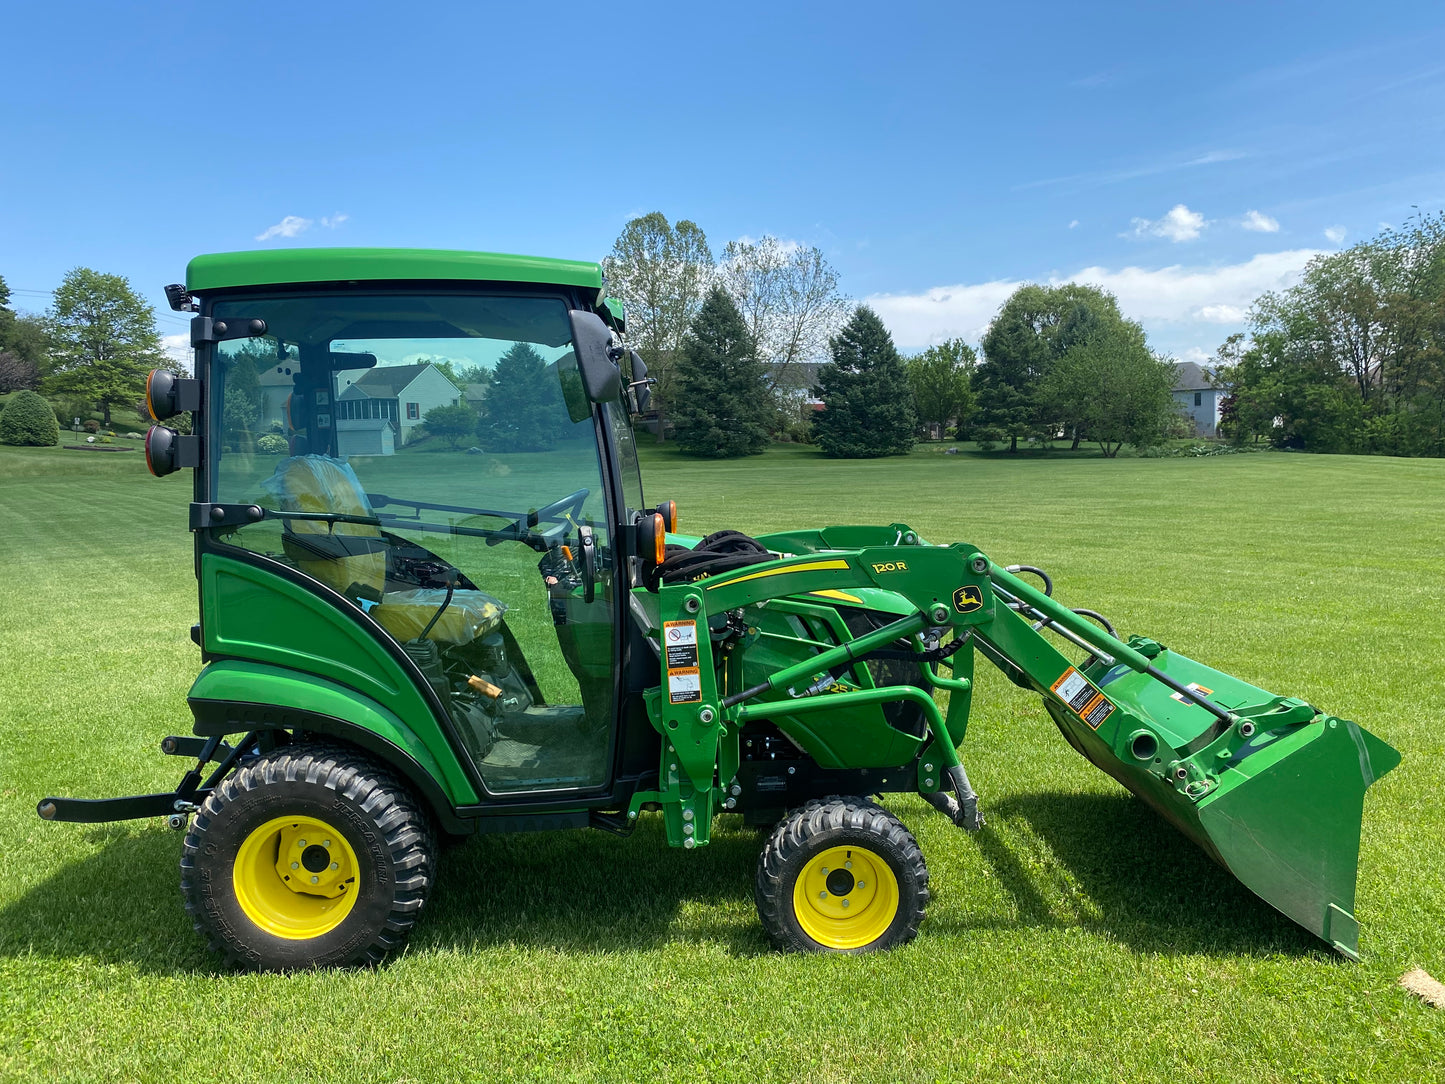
<point>640,387</point>
<point>597,358</point>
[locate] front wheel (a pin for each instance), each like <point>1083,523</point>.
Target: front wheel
<point>308,857</point>
<point>841,875</point>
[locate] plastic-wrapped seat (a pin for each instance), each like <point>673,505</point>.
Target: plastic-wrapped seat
<point>350,557</point>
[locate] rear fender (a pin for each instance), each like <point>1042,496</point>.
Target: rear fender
<point>232,696</point>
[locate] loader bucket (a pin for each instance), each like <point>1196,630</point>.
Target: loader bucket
<point>1275,797</point>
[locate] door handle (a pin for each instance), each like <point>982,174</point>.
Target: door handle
<point>589,563</point>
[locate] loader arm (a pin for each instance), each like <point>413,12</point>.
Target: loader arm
<point>1267,785</point>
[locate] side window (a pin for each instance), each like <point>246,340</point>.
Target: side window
<point>477,539</point>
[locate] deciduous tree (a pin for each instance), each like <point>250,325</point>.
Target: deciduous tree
<point>103,338</point>
<point>942,381</point>
<point>661,272</point>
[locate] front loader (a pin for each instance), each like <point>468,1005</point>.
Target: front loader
<point>402,639</point>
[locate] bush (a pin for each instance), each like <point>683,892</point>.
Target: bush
<point>28,419</point>
<point>91,426</point>
<point>272,444</point>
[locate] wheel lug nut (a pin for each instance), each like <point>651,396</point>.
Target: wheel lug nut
<point>847,865</point>
<point>333,865</point>
<point>326,842</point>
<point>315,879</point>
<point>295,865</point>
<point>825,870</point>
<point>823,895</point>
<point>845,903</point>
<point>862,884</point>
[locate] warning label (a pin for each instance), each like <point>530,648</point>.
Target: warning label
<point>684,679</point>
<point>684,686</point>
<point>1198,688</point>
<point>1083,699</point>
<point>680,640</point>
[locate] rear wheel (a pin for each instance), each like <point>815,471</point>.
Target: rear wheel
<point>841,875</point>
<point>308,857</point>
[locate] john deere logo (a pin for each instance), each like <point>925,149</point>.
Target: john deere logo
<point>967,599</point>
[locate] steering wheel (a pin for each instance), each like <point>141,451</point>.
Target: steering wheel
<point>521,529</point>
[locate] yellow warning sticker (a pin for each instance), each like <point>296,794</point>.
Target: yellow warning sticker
<point>684,678</point>
<point>1085,701</point>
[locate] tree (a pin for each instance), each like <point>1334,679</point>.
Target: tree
<point>22,337</point>
<point>721,407</point>
<point>524,403</point>
<point>1034,327</point>
<point>788,297</point>
<point>867,403</point>
<point>1113,388</point>
<point>16,373</point>
<point>104,340</point>
<point>453,424</point>
<point>28,419</point>
<point>942,381</point>
<point>661,272</point>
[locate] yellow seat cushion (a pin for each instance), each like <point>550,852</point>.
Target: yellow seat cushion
<point>471,615</point>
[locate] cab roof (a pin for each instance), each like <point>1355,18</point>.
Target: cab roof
<point>225,270</point>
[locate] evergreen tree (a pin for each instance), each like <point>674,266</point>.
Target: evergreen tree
<point>721,407</point>
<point>867,402</point>
<point>524,404</point>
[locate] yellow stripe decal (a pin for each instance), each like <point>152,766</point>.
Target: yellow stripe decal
<point>811,566</point>
<point>841,596</point>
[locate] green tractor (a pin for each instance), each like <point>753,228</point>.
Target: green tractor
<point>403,640</point>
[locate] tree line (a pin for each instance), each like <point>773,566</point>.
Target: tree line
<point>729,341</point>
<point>1352,358</point>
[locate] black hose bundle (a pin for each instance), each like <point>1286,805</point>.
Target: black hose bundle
<point>721,551</point>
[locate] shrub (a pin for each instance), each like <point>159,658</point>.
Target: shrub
<point>272,444</point>
<point>91,426</point>
<point>28,419</point>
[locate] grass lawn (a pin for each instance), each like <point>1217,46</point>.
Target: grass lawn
<point>1077,937</point>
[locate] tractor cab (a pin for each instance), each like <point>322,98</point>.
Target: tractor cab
<point>436,471</point>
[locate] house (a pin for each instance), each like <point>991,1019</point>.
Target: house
<point>400,394</point>
<point>1198,398</point>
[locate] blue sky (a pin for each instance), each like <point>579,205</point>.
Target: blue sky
<point>1186,156</point>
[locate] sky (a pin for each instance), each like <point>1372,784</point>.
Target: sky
<point>1184,156</point>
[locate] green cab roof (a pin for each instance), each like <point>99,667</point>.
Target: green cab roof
<point>226,270</point>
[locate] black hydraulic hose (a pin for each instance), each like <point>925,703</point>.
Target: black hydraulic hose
<point>1040,573</point>
<point>451,586</point>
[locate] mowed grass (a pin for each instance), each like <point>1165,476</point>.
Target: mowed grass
<point>1077,937</point>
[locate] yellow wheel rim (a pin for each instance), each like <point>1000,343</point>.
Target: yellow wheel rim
<point>846,898</point>
<point>295,877</point>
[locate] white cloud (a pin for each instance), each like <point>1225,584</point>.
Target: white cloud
<point>1196,355</point>
<point>289,226</point>
<point>1180,224</point>
<point>1260,223</point>
<point>1335,233</point>
<point>1173,303</point>
<point>1074,223</point>
<point>332,221</point>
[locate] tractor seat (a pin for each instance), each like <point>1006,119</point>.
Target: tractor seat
<point>351,557</point>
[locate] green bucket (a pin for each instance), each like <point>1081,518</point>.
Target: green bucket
<point>1275,795</point>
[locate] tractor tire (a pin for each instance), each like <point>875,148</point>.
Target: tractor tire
<point>310,856</point>
<point>841,874</point>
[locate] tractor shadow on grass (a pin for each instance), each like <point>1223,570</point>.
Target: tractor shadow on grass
<point>120,904</point>
<point>596,893</point>
<point>577,891</point>
<point>1110,863</point>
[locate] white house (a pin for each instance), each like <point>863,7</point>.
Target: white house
<point>401,394</point>
<point>1198,399</point>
